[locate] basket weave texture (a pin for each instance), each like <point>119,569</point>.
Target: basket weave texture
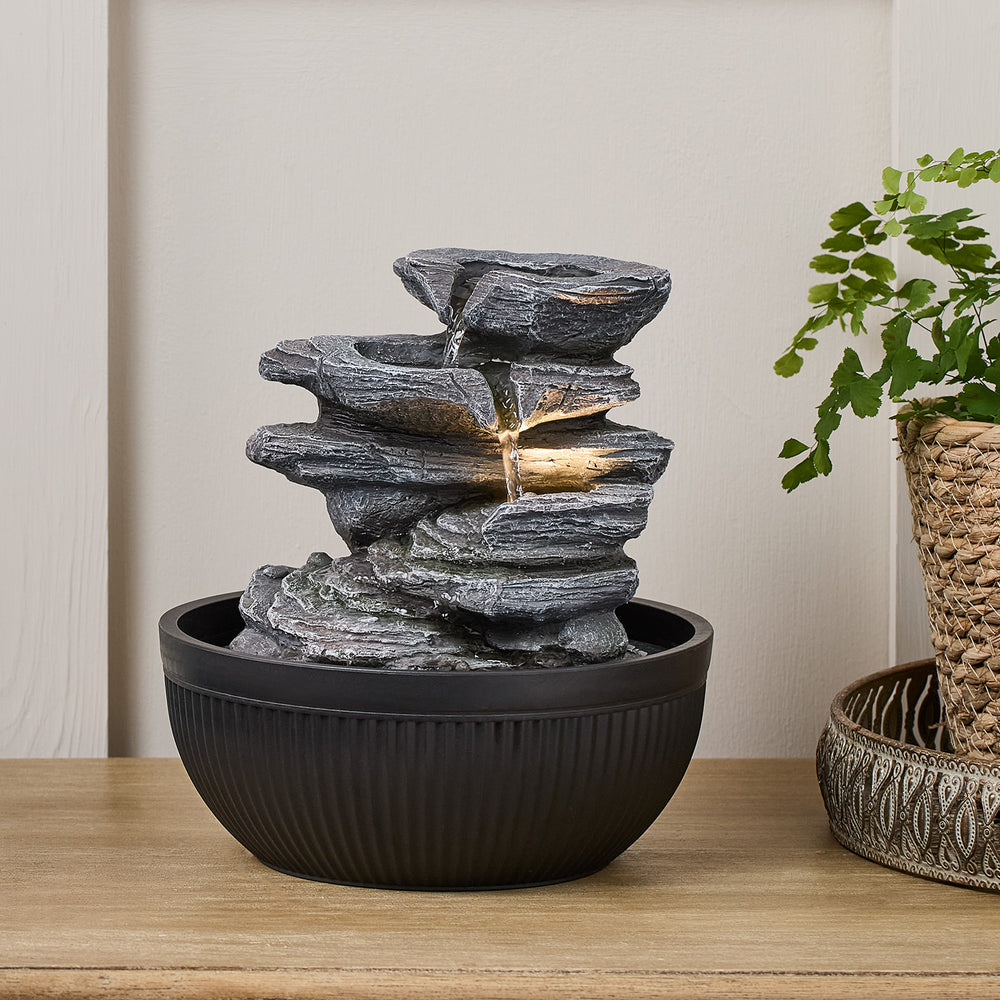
<point>953,477</point>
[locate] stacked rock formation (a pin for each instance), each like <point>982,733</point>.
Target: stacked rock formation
<point>482,491</point>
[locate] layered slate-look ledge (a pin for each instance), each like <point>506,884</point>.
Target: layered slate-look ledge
<point>483,492</point>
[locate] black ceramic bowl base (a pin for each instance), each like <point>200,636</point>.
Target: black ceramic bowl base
<point>501,787</point>
<point>437,888</point>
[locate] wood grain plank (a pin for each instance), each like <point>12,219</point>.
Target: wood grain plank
<point>416,984</point>
<point>118,880</point>
<point>53,270</point>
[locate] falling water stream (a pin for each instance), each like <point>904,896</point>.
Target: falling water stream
<point>508,419</point>
<point>455,332</point>
<point>508,429</point>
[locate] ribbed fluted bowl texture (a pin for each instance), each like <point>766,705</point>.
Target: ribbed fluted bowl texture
<point>434,780</point>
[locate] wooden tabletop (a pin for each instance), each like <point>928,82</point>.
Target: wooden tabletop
<point>117,881</point>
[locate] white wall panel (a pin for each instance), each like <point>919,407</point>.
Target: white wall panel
<point>271,158</point>
<point>53,386</point>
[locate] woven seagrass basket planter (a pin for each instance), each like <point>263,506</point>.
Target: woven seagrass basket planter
<point>953,477</point>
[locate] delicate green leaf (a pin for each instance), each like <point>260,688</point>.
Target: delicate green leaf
<point>857,318</point>
<point>849,216</point>
<point>849,369</point>
<point>916,202</point>
<point>886,205</point>
<point>825,319</point>
<point>788,364</point>
<point>823,293</point>
<point>827,263</point>
<point>964,351</point>
<point>925,160</point>
<point>870,228</point>
<point>890,180</point>
<point>882,374</point>
<point>807,343</point>
<point>854,287</point>
<point>958,330</point>
<point>937,334</point>
<point>907,370</point>
<point>866,397</point>
<point>821,458</point>
<point>931,312</point>
<point>969,256</point>
<point>981,402</point>
<point>826,425</point>
<point>958,215</point>
<point>878,267</point>
<point>892,228</point>
<point>956,156</point>
<point>843,243</point>
<point>918,229</point>
<point>856,284</point>
<point>929,248</point>
<point>799,474</point>
<point>932,226</point>
<point>967,177</point>
<point>895,332</point>
<point>916,293</point>
<point>975,366</point>
<point>994,174</point>
<point>791,448</point>
<point>969,233</point>
<point>837,399</point>
<point>973,294</point>
<point>930,173</point>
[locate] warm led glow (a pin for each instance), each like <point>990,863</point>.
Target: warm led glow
<point>552,470</point>
<point>511,462</point>
<point>543,415</point>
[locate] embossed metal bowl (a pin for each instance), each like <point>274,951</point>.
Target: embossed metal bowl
<point>894,793</point>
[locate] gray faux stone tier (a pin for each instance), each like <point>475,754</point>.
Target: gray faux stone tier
<point>483,493</point>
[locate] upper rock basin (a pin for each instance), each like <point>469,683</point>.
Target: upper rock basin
<point>555,305</point>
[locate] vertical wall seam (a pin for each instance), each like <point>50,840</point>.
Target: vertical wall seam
<point>892,638</point>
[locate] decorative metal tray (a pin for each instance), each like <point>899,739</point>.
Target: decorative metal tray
<point>894,793</point>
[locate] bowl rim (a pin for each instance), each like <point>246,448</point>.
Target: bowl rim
<point>207,668</point>
<point>840,718</point>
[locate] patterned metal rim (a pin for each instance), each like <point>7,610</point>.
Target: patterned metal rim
<point>894,795</point>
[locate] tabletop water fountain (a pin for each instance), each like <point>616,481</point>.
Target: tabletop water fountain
<point>485,498</point>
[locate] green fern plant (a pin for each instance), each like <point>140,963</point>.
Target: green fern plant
<point>965,361</point>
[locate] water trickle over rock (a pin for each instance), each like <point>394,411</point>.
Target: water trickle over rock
<point>482,491</point>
